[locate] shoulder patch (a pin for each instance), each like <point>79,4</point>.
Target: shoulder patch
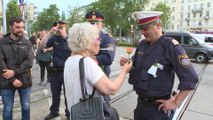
<point>184,60</point>
<point>175,42</point>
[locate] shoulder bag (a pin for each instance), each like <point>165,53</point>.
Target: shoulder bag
<point>91,107</point>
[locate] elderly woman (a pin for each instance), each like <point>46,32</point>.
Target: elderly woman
<point>84,42</point>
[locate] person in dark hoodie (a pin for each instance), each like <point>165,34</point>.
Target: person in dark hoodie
<point>16,62</point>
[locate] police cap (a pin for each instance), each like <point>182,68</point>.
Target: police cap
<point>94,16</point>
<point>144,18</point>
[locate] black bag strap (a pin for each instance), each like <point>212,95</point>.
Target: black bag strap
<point>85,95</point>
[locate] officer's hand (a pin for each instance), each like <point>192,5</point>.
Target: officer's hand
<point>62,31</point>
<point>53,30</point>
<point>17,83</point>
<point>127,66</point>
<point>123,60</point>
<point>44,50</point>
<point>8,73</point>
<point>167,105</point>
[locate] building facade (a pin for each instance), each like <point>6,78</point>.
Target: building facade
<point>188,15</point>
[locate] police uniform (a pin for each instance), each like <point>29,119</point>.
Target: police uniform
<point>154,68</point>
<point>106,54</point>
<point>61,52</point>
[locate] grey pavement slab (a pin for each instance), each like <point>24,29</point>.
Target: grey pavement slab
<point>201,105</point>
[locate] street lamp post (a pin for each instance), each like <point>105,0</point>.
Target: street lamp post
<point>4,18</point>
<point>131,33</point>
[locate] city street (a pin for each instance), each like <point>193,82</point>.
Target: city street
<point>199,107</point>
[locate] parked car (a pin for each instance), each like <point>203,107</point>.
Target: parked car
<point>208,38</point>
<point>195,47</point>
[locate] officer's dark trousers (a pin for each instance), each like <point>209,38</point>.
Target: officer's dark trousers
<point>56,82</point>
<point>149,111</point>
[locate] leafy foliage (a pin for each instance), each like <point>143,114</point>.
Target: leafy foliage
<point>11,11</point>
<point>46,18</point>
<point>118,13</point>
<point>75,16</point>
<point>165,17</point>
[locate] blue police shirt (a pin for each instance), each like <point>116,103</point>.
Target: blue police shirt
<point>61,50</point>
<point>106,57</point>
<point>170,58</point>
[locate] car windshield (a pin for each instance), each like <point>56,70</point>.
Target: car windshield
<point>198,38</point>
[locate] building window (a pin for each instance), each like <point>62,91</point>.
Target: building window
<point>201,14</point>
<point>207,13</point>
<point>200,23</point>
<point>173,9</point>
<point>208,4</point>
<point>188,15</point>
<point>181,16</point>
<point>195,6</point>
<point>201,5</point>
<point>194,15</point>
<point>173,1</point>
<point>182,1</point>
<point>187,23</point>
<point>182,8</point>
<point>189,7</point>
<point>173,17</point>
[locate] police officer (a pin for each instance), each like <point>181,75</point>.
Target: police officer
<point>59,44</point>
<point>106,54</point>
<point>156,60</point>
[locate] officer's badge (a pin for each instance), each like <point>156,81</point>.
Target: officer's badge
<point>175,42</point>
<point>93,17</point>
<point>56,43</point>
<point>184,60</point>
<point>140,53</point>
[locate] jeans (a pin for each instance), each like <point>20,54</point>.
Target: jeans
<point>8,101</point>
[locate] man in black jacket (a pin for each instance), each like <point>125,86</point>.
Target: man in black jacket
<point>16,63</point>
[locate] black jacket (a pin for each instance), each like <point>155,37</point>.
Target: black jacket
<point>16,55</point>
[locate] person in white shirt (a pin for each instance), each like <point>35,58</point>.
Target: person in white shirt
<point>84,42</point>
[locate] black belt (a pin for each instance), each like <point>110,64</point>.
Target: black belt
<point>153,99</point>
<point>55,70</point>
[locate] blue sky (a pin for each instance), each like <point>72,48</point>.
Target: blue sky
<point>63,5</point>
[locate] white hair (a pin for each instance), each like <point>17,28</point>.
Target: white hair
<point>80,35</point>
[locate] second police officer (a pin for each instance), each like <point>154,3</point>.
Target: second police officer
<point>59,45</point>
<point>106,54</point>
<point>156,60</point>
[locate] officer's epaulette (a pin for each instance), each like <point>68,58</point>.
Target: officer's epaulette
<point>175,42</point>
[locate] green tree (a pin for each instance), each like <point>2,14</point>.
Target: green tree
<point>118,13</point>
<point>46,18</point>
<point>12,10</point>
<point>165,17</point>
<point>75,16</point>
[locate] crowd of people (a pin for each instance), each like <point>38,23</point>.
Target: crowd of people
<point>152,68</point>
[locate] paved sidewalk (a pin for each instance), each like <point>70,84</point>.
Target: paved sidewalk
<point>201,105</point>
